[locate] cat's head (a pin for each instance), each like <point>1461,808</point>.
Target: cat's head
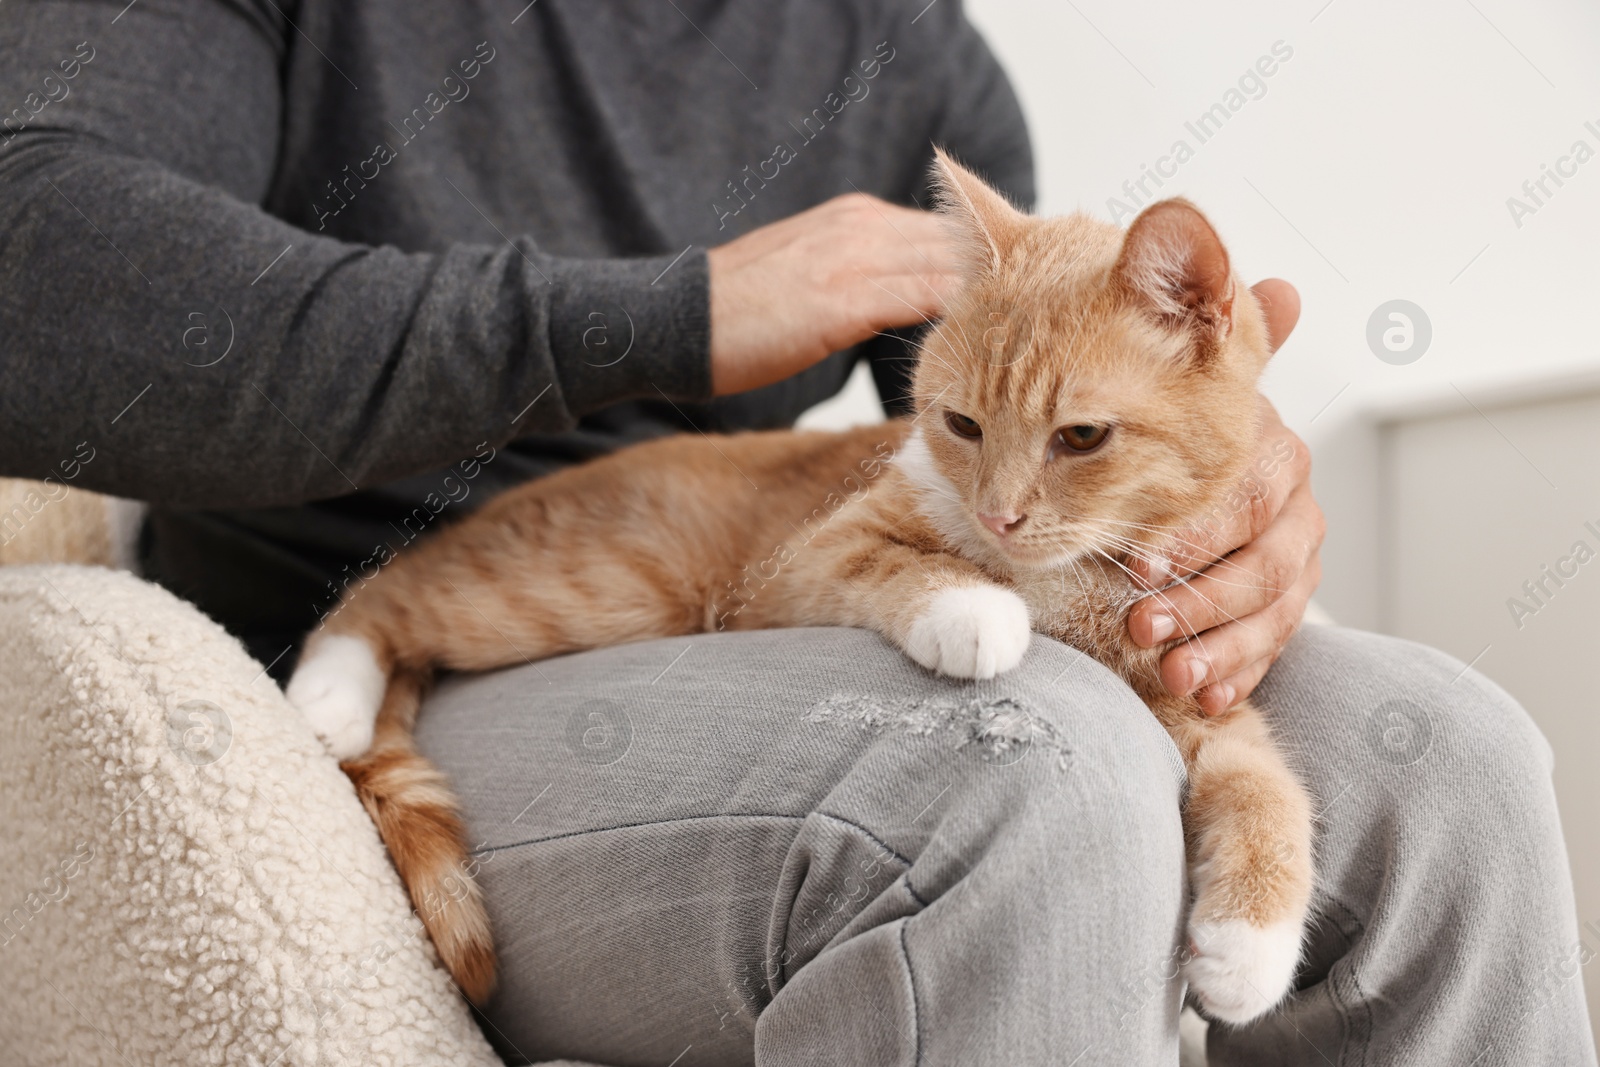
<point>1088,389</point>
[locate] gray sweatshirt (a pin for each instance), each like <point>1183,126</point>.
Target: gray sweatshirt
<point>316,278</point>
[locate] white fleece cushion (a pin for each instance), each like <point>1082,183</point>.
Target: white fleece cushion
<point>186,878</point>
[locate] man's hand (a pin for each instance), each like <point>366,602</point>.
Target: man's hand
<point>786,295</point>
<point>1256,569</point>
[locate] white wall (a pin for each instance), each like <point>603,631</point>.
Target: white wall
<point>1456,571</point>
<point>1376,166</point>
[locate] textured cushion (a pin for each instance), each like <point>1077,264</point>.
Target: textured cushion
<point>185,877</point>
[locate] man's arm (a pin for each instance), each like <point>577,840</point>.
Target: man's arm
<point>132,253</point>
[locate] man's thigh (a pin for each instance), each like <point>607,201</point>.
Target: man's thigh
<point>1443,927</point>
<point>668,831</point>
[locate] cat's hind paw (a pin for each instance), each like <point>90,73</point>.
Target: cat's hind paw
<point>339,687</point>
<point>1239,971</point>
<point>974,631</point>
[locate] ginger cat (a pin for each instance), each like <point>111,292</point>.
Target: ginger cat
<point>1087,392</point>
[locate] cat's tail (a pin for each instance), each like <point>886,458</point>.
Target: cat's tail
<point>420,822</point>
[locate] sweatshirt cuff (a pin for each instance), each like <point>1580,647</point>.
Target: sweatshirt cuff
<point>621,329</point>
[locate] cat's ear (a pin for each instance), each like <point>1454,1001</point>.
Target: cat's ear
<point>982,219</point>
<point>1173,262</point>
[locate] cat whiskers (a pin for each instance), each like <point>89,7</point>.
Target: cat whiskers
<point>964,340</point>
<point>1167,601</point>
<point>1154,527</point>
<point>939,491</point>
<point>1147,555</point>
<point>1136,551</point>
<point>1159,594</point>
<point>922,353</point>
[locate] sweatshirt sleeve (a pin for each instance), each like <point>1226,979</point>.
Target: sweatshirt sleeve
<point>208,354</point>
<point>980,122</point>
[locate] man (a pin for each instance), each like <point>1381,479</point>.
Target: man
<point>316,277</point>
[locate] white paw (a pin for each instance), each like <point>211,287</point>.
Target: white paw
<point>1239,971</point>
<point>339,687</point>
<point>974,631</point>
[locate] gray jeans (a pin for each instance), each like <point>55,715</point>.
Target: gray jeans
<point>797,848</point>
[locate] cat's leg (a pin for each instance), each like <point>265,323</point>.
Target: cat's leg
<point>1248,823</point>
<point>969,630</point>
<point>338,686</point>
<point>939,609</point>
<point>478,599</point>
<point>496,591</point>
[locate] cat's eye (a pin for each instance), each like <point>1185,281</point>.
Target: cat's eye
<point>962,426</point>
<point>1078,439</point>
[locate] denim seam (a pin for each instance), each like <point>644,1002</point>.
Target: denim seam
<point>874,838</point>
<point>905,879</point>
<point>1339,1001</point>
<point>634,826</point>
<point>911,980</point>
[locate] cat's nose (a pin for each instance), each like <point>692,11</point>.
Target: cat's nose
<point>1001,524</point>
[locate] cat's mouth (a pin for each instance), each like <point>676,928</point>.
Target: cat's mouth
<point>1041,553</point>
<point>1057,549</point>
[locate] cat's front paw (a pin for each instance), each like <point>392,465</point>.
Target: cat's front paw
<point>1239,971</point>
<point>974,631</point>
<point>339,687</point>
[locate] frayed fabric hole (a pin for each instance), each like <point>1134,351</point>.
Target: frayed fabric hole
<point>1001,730</point>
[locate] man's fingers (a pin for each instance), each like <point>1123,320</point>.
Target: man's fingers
<point>900,237</point>
<point>1280,302</point>
<point>1238,586</point>
<point>903,267</point>
<point>786,294</point>
<point>895,300</point>
<point>1225,651</point>
<point>1218,698</point>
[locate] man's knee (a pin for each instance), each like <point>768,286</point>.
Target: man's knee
<point>1082,756</point>
<point>1058,748</point>
<point>1058,720</point>
<point>1082,726</point>
<point>1056,792</point>
<point>1362,708</point>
